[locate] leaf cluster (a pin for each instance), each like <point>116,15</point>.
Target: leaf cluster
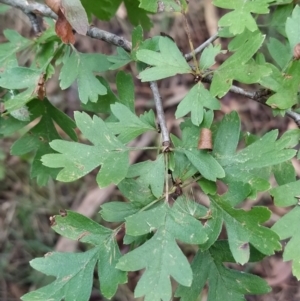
<point>159,219</point>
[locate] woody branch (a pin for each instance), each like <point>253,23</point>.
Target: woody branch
<point>96,33</point>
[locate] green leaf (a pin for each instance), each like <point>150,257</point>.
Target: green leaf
<point>168,62</point>
<point>195,101</point>
<point>125,88</point>
<point>76,15</point>
<point>20,78</point>
<point>281,53</point>
<point>284,173</point>
<point>241,16</point>
<point>16,43</point>
<point>252,164</point>
<point>79,159</point>
<point>82,66</point>
<point>286,195</point>
<point>243,227</point>
<point>279,17</point>
<point>168,5</point>
<point>208,187</point>
<point>117,211</point>
<point>288,227</point>
<point>208,267</point>
<point>137,15</point>
<point>137,192</point>
<point>4,8</point>
<point>285,85</point>
<point>183,168</point>
<point>105,11</point>
<point>103,103</point>
<point>208,55</point>
<point>121,59</point>
<point>129,126</point>
<point>239,66</point>
<point>206,164</point>
<point>291,27</point>
<point>160,255</point>
<point>151,173</point>
<point>38,137</point>
<point>74,272</point>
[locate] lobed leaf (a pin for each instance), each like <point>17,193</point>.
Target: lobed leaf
<point>82,66</point>
<point>223,283</point>
<point>195,101</point>
<point>160,255</point>
<point>74,281</point>
<point>168,62</point>
<point>239,66</point>
<point>78,159</point>
<point>241,16</point>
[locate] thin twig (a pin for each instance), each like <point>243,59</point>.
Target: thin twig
<point>190,55</point>
<point>34,23</point>
<point>96,33</point>
<point>93,32</point>
<point>187,30</point>
<point>160,114</point>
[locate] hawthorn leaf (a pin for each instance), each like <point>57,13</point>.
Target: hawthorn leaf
<point>286,195</point>
<point>252,164</point>
<point>105,11</point>
<point>208,55</point>
<point>183,168</point>
<point>117,211</point>
<point>129,126</point>
<point>74,281</point>
<point>137,15</point>
<point>168,62</point>
<point>166,5</point>
<point>20,78</point>
<point>280,52</point>
<point>206,164</point>
<point>195,101</point>
<point>78,159</point>
<point>150,172</point>
<point>125,95</point>
<point>241,16</point>
<point>285,86</point>
<point>288,227</point>
<point>125,88</point>
<point>160,255</point>
<point>208,267</point>
<point>284,173</point>
<point>121,59</point>
<point>291,26</point>
<point>239,66</point>
<point>137,192</point>
<point>16,43</point>
<point>38,137</point>
<point>243,227</point>
<point>82,66</point>
<point>103,103</point>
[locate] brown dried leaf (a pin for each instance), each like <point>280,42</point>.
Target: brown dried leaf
<point>64,29</point>
<point>40,89</point>
<point>205,139</point>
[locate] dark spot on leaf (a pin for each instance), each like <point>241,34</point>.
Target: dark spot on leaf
<point>63,213</point>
